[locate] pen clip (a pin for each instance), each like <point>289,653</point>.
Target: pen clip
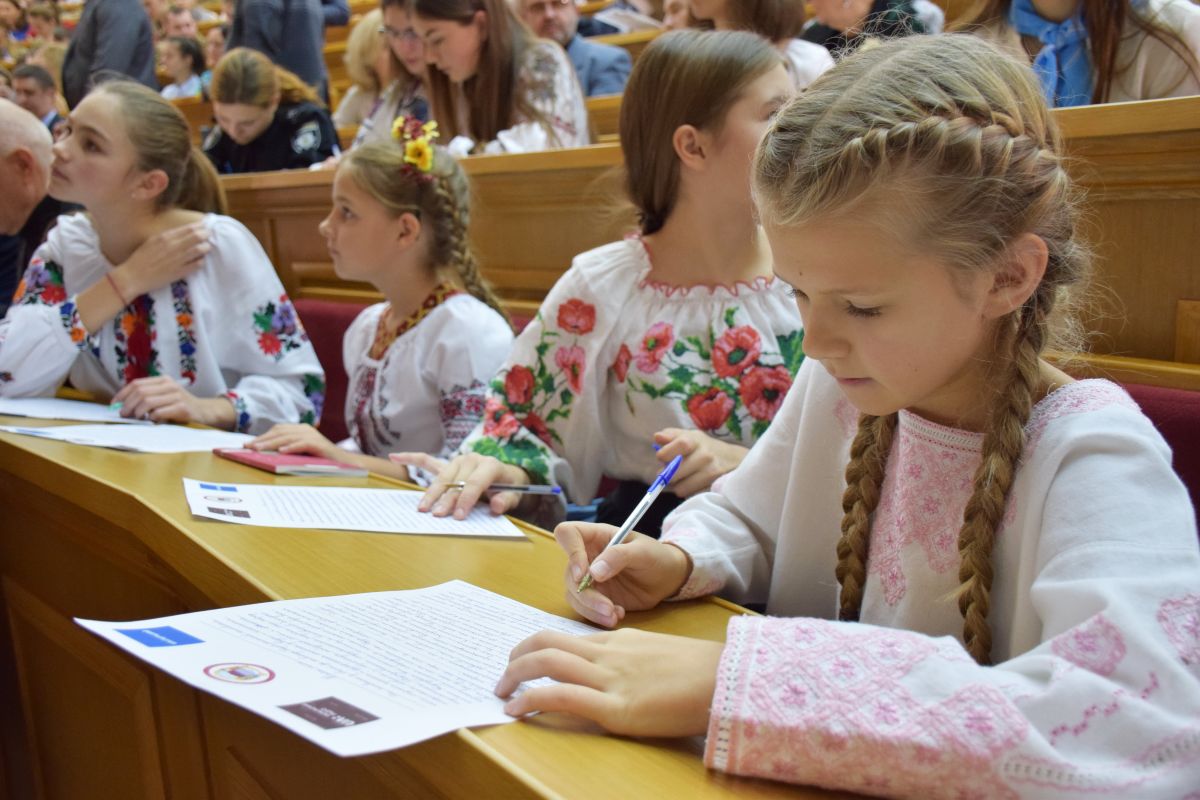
<point>665,476</point>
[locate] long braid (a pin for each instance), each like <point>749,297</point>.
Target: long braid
<point>864,480</point>
<point>453,244</point>
<point>960,131</point>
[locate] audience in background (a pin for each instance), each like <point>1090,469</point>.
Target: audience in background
<point>372,67</point>
<point>601,68</point>
<point>1098,51</point>
<point>292,37</point>
<point>183,61</point>
<point>181,23</point>
<point>675,15</point>
<point>14,20</point>
<point>495,87</point>
<point>214,49</point>
<point>778,21</point>
<point>34,91</point>
<point>112,35</point>
<point>842,26</point>
<point>267,118</point>
<point>43,21</point>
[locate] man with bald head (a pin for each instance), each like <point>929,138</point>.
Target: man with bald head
<point>27,212</point>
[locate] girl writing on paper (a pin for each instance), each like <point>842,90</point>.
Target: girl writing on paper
<point>495,87</point>
<point>1012,566</point>
<point>678,336</point>
<point>154,298</point>
<point>419,362</point>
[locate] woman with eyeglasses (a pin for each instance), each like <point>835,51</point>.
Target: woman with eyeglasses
<point>404,94</point>
<point>495,87</point>
<point>267,118</point>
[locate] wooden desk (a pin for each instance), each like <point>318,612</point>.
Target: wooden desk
<point>604,117</point>
<point>103,534</point>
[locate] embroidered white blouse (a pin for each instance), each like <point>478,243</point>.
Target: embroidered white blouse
<point>548,82</point>
<point>427,391</point>
<point>400,99</point>
<point>611,358</point>
<point>806,61</point>
<point>1095,610</point>
<point>227,329</point>
<point>1148,68</point>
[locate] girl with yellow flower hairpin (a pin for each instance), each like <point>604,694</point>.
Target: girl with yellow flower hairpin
<point>418,363</point>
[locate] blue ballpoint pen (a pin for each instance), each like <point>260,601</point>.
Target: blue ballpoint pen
<point>639,511</point>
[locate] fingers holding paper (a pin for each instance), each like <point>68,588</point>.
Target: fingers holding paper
<point>635,575</point>
<point>629,681</point>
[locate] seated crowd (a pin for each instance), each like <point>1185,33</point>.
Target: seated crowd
<point>855,242</point>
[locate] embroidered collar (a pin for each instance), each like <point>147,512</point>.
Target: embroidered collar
<point>759,284</point>
<point>385,336</point>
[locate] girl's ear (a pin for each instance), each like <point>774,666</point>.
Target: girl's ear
<point>691,146</point>
<point>150,185</point>
<point>1016,279</point>
<point>407,230</point>
<point>481,23</point>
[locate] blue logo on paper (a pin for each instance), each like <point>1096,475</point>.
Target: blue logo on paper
<point>166,636</point>
<point>212,487</point>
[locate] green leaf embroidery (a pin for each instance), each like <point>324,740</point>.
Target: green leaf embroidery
<point>263,321</point>
<point>733,426</point>
<point>759,428</point>
<point>730,316</point>
<point>681,374</point>
<point>679,349</point>
<point>565,397</point>
<point>791,349</point>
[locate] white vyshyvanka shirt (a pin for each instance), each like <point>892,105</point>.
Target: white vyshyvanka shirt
<point>806,61</point>
<point>612,357</point>
<point>426,392</point>
<point>228,329</point>
<point>548,82</point>
<point>1095,610</point>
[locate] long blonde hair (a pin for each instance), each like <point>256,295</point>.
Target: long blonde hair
<point>948,141</point>
<point>442,205</point>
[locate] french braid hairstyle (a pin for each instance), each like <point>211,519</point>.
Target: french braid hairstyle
<point>439,197</point>
<point>959,131</point>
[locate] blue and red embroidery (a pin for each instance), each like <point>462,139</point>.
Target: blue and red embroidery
<point>278,328</point>
<point>137,356</point>
<point>185,321</point>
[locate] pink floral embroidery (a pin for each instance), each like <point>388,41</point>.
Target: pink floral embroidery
<point>925,490</point>
<point>1180,620</point>
<point>815,702</point>
<point>654,345</point>
<point>1096,645</point>
<point>737,349</point>
<point>710,409</point>
<point>1075,398</point>
<point>498,421</point>
<point>571,361</point>
<point>576,316</point>
<point>620,365</point>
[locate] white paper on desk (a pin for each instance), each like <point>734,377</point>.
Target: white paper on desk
<point>59,408</point>
<point>138,438</point>
<point>354,674</point>
<point>334,508</point>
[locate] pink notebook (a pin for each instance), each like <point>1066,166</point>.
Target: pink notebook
<point>287,464</point>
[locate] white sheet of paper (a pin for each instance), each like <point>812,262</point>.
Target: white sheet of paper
<point>354,674</point>
<point>138,438</point>
<point>334,508</point>
<point>59,408</point>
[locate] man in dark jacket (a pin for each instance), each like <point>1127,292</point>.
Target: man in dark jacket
<point>113,36</point>
<point>289,32</point>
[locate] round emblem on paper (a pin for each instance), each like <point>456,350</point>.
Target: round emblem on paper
<point>307,138</point>
<point>217,498</point>
<point>239,673</point>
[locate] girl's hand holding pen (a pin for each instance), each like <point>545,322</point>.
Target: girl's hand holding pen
<point>476,473</point>
<point>635,575</point>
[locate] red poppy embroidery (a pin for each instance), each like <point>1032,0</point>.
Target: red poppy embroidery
<point>762,390</point>
<point>269,343</point>
<point>620,366</point>
<point>736,350</point>
<point>710,409</point>
<point>576,316</point>
<point>537,426</point>
<point>571,361</point>
<point>498,420</point>
<point>518,386</point>
<point>654,345</point>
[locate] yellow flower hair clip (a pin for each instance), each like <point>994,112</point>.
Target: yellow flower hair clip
<point>417,140</point>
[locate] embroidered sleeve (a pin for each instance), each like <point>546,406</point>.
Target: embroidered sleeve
<point>461,410</point>
<point>548,83</point>
<point>42,334</point>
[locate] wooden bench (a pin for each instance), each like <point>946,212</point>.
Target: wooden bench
<point>604,117</point>
<point>199,115</point>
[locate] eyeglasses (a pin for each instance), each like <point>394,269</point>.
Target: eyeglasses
<point>549,5</point>
<point>407,35</point>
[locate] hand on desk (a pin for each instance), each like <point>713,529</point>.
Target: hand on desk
<point>629,681</point>
<point>476,472</point>
<point>163,399</point>
<point>637,574</point>
<point>705,458</point>
<point>299,439</point>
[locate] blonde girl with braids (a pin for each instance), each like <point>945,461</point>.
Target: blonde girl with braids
<point>154,299</point>
<point>418,363</point>
<point>1016,609</point>
<point>267,118</point>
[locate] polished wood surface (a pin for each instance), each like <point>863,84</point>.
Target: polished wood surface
<point>103,534</point>
<point>604,117</point>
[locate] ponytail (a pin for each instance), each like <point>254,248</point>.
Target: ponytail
<point>201,188</point>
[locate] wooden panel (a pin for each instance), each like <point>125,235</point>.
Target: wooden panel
<point>1171,374</point>
<point>604,117</point>
<point>1187,331</point>
<point>199,115</point>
